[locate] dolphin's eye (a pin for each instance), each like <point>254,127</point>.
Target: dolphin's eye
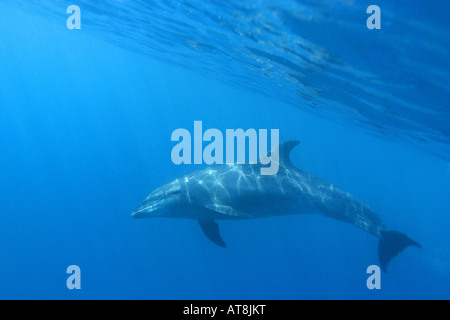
<point>172,192</point>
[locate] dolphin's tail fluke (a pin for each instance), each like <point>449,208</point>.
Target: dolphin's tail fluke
<point>392,243</point>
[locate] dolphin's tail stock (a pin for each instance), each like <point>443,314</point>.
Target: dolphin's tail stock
<point>392,243</point>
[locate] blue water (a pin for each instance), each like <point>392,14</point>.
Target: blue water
<point>86,118</point>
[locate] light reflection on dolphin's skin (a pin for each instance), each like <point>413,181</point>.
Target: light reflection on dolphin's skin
<point>239,191</point>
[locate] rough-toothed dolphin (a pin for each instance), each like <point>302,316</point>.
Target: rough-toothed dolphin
<point>239,191</point>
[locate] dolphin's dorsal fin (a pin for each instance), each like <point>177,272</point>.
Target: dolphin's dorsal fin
<point>211,229</point>
<point>285,149</point>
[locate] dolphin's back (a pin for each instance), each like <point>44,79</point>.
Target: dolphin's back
<point>242,188</point>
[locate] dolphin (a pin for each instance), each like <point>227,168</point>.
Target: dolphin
<point>239,191</point>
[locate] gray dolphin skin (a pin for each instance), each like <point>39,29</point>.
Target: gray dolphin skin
<point>239,191</point>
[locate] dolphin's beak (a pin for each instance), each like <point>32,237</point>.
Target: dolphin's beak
<point>147,209</point>
<point>139,212</point>
<point>159,201</point>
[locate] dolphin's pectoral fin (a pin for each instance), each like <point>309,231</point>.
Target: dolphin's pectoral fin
<point>227,210</point>
<point>211,229</point>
